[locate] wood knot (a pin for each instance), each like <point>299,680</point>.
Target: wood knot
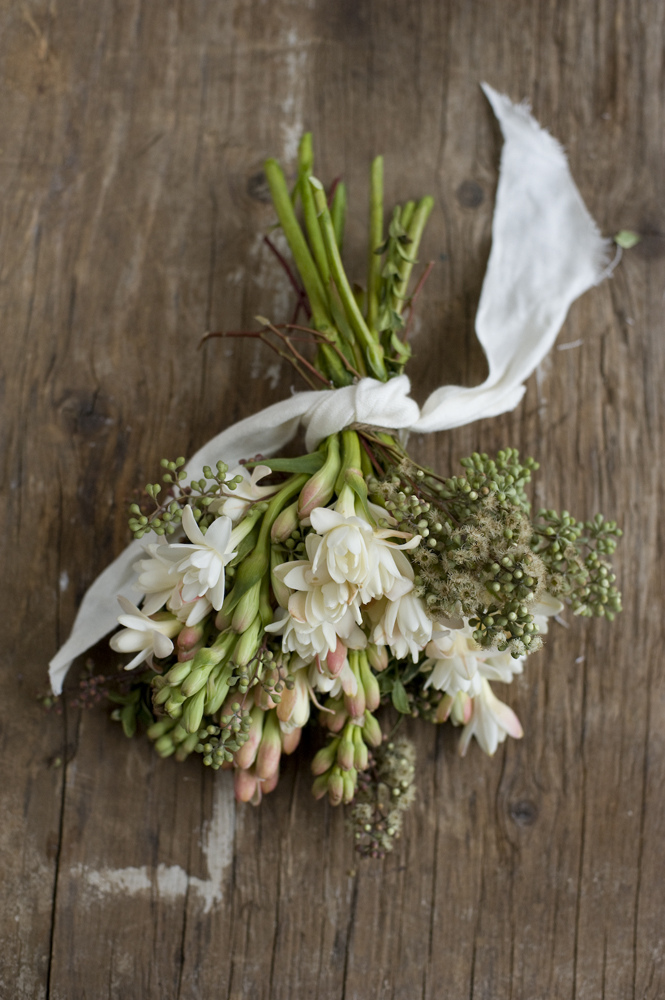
<point>257,187</point>
<point>470,194</point>
<point>524,812</point>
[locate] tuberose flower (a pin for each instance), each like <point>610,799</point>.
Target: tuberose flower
<point>158,576</point>
<point>202,567</point>
<point>238,501</point>
<point>143,635</point>
<point>458,663</point>
<point>353,551</point>
<point>404,625</point>
<point>491,721</point>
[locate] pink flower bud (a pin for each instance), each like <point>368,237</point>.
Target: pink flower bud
<point>291,740</point>
<point>244,784</point>
<point>336,658</point>
<point>335,720</point>
<point>318,490</point>
<point>189,637</point>
<point>246,756</point>
<point>270,749</point>
<point>269,784</point>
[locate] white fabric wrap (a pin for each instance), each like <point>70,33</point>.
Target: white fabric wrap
<point>546,251</point>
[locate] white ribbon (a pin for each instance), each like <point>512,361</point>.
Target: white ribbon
<point>546,251</point>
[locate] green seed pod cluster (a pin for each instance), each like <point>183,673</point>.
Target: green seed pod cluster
<point>385,792</point>
<point>218,743</point>
<point>165,515</point>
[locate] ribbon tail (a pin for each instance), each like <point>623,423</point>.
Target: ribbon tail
<point>546,251</point>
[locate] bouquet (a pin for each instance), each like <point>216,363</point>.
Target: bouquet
<point>272,592</point>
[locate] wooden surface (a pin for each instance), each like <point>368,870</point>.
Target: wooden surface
<point>132,137</point>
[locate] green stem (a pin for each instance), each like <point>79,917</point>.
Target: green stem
<point>415,228</point>
<point>372,349</point>
<point>338,213</point>
<point>306,162</point>
<point>375,241</point>
<point>297,243</point>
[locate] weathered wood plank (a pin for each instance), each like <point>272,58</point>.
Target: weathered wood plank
<point>132,209</point>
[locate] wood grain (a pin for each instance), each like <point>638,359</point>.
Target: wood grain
<point>132,137</point>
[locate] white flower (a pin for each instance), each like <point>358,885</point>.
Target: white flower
<point>316,637</point>
<point>157,576</point>
<point>491,721</point>
<point>189,612</point>
<point>458,663</point>
<point>238,501</point>
<point>142,635</point>
<point>202,567</point>
<point>345,681</point>
<point>354,552</point>
<point>404,625</point>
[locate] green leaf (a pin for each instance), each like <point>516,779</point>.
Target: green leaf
<point>128,719</point>
<point>385,682</point>
<point>308,464</point>
<point>400,700</point>
<point>627,239</point>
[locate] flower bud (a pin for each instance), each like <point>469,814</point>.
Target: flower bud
<point>291,740</point>
<point>319,489</point>
<point>360,753</point>
<point>190,640</point>
<point>159,729</point>
<point>320,786</point>
<point>461,708</point>
<point>335,786</point>
<point>336,658</point>
<point>345,750</point>
<point>246,609</point>
<point>377,656</point>
<point>335,718</point>
<point>217,689</point>
<point>246,756</point>
<point>355,703</point>
<point>269,784</point>
<point>279,588</point>
<point>249,643</point>
<point>178,673</point>
<point>187,747</point>
<point>443,708</point>
<point>325,758</point>
<point>162,696</point>
<point>285,523</point>
<point>165,745</point>
<point>244,785</point>
<point>293,709</point>
<point>192,712</point>
<point>372,730</point>
<point>270,748</point>
<point>350,780</point>
<point>369,683</point>
<point>197,679</point>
